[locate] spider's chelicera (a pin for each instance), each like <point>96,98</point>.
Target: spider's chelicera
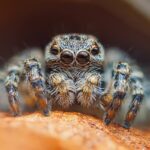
<point>73,71</point>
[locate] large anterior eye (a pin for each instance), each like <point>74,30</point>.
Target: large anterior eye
<point>95,50</point>
<point>54,50</point>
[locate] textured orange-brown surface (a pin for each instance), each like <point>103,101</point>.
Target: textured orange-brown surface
<point>67,131</point>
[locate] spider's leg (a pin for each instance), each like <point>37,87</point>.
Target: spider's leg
<point>136,85</point>
<point>119,86</point>
<point>11,84</point>
<point>36,78</point>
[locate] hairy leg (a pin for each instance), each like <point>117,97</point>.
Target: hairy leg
<point>136,85</point>
<point>16,75</point>
<point>11,84</point>
<point>36,78</point>
<point>119,88</point>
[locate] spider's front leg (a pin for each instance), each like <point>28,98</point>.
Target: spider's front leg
<point>37,80</point>
<point>136,85</point>
<point>119,88</point>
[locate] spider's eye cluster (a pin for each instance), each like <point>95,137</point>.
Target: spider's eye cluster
<point>95,50</point>
<point>54,50</point>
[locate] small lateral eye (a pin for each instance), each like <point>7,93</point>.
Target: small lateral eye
<point>95,50</point>
<point>54,50</point>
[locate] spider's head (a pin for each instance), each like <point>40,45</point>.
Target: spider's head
<point>74,50</point>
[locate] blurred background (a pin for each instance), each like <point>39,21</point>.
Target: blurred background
<point>120,23</point>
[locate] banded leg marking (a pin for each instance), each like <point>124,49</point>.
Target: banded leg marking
<point>119,89</point>
<point>37,81</point>
<point>11,84</point>
<point>136,83</point>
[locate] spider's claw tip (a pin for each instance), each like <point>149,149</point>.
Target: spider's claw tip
<point>126,125</point>
<point>16,111</point>
<point>107,121</point>
<point>46,112</point>
<point>17,114</point>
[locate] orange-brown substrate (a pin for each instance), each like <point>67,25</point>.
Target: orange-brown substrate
<point>67,131</point>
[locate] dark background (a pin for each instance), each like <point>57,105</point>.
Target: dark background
<point>25,24</point>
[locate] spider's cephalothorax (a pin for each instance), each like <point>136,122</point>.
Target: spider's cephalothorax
<point>74,72</point>
<point>77,61</point>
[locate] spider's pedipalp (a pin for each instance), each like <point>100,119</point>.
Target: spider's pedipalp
<point>119,89</point>
<point>136,85</point>
<point>61,88</point>
<point>90,87</point>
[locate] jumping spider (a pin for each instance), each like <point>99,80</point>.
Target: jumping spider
<point>73,72</point>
